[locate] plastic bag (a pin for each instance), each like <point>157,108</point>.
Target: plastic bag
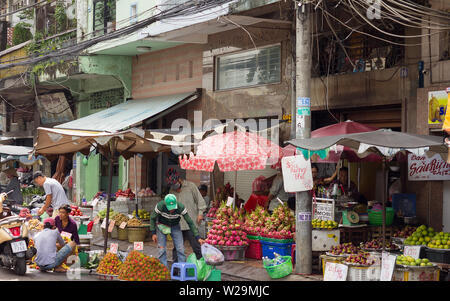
<point>212,254</point>
<point>203,270</point>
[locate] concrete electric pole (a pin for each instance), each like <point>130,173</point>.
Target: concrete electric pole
<point>302,113</point>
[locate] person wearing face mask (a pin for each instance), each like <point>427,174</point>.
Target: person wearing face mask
<point>187,194</point>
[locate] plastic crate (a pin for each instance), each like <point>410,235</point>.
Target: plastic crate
<point>280,241</point>
<point>280,270</point>
<point>254,250</point>
<point>438,255</point>
<point>269,248</point>
<point>376,217</point>
<point>233,253</point>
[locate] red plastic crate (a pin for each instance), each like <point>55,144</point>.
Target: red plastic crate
<point>254,250</point>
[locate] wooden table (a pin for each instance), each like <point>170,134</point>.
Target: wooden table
<point>354,234</point>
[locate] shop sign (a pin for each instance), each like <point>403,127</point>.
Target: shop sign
<point>422,168</point>
<point>297,175</point>
<point>437,106</point>
<point>335,272</point>
<point>387,266</point>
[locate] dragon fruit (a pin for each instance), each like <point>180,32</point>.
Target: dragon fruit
<point>227,229</point>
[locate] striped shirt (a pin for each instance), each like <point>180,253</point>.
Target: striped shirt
<point>161,215</point>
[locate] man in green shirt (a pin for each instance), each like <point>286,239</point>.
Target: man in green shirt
<point>164,220</point>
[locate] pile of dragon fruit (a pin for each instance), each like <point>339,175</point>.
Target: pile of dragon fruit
<point>227,228</point>
<point>279,225</point>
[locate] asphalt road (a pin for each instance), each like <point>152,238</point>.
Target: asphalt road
<point>35,275</point>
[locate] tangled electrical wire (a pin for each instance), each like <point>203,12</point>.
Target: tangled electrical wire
<point>184,9</point>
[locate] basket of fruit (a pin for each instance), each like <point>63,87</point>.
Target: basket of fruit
<point>422,236</point>
<point>343,250</point>
<point>140,267</point>
<point>363,267</point>
<point>122,233</point>
<point>137,231</point>
<point>108,268</point>
<point>319,224</point>
<point>279,267</point>
<point>376,245</point>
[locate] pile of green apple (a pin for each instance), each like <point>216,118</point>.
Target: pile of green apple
<point>422,236</point>
<point>441,240</point>
<point>410,261</point>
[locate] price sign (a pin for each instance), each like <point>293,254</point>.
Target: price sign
<point>96,220</point>
<point>230,201</point>
<point>138,246</point>
<point>123,225</point>
<point>104,223</point>
<point>94,202</point>
<point>111,225</point>
<point>413,251</point>
<point>387,266</point>
<point>335,272</point>
<point>113,248</point>
<point>66,234</point>
<point>324,211</point>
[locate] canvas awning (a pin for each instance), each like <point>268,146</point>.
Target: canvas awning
<point>51,142</point>
<point>130,113</point>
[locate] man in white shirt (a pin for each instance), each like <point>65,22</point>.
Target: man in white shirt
<point>54,193</point>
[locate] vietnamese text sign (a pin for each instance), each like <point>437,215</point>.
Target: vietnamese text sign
<point>138,246</point>
<point>111,226</point>
<point>324,211</point>
<point>104,223</point>
<point>304,216</point>
<point>230,201</point>
<point>413,251</point>
<point>387,266</point>
<point>297,175</point>
<point>422,168</point>
<point>335,272</point>
<point>113,248</point>
<point>437,106</point>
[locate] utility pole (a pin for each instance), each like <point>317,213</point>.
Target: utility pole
<point>302,111</point>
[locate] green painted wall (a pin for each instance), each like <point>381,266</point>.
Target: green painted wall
<point>117,66</point>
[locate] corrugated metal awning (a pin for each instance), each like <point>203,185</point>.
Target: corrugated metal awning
<point>132,112</point>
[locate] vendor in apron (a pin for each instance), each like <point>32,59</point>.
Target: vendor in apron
<point>164,220</point>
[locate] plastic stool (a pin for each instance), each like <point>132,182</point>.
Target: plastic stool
<point>183,267</point>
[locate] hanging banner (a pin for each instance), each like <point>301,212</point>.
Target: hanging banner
<point>437,106</point>
<point>422,168</point>
<point>297,175</point>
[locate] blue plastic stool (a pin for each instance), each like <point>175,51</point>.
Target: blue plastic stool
<point>183,267</point>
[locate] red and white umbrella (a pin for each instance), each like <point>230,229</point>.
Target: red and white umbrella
<point>233,151</point>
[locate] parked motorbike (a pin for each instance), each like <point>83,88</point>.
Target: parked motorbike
<point>14,251</point>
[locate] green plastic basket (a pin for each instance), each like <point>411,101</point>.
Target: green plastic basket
<point>281,270</point>
<point>280,241</point>
<point>253,237</point>
<point>376,217</point>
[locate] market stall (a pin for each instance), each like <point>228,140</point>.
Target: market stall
<point>52,142</point>
<point>362,261</point>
